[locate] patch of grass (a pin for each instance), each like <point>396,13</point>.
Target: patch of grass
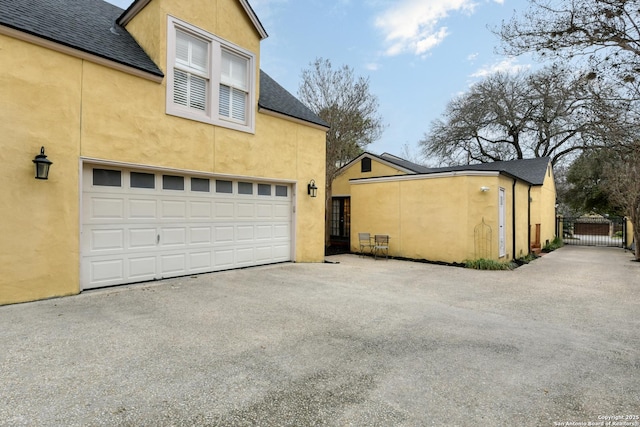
<point>488,264</point>
<point>553,245</point>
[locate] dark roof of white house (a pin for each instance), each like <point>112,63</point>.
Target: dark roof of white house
<point>90,26</point>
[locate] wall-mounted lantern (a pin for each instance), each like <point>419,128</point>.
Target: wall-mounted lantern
<point>42,165</point>
<point>312,190</point>
<point>484,189</point>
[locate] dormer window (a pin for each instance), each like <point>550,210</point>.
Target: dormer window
<point>209,79</point>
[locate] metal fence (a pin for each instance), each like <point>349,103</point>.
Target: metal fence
<point>593,231</point>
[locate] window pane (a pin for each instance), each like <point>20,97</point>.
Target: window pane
<point>245,188</point>
<point>224,186</point>
<point>365,165</point>
<point>197,92</point>
<point>238,104</point>
<point>180,87</point>
<point>200,184</point>
<point>142,180</point>
<point>172,182</point>
<point>191,51</point>
<point>234,70</point>
<point>107,177</point>
<point>281,190</point>
<point>264,189</point>
<point>225,101</point>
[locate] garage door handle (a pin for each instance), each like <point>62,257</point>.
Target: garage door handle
<point>157,239</point>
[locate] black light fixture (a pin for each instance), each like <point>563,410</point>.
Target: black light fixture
<point>312,190</point>
<point>42,165</point>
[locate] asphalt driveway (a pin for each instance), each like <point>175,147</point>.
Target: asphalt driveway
<point>362,343</point>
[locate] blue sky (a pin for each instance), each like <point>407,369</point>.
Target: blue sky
<point>418,54</point>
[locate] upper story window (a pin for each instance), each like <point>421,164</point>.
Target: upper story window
<point>209,79</point>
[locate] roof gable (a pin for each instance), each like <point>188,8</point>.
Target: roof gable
<point>138,5</point>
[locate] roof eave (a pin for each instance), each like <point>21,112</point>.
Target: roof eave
<point>270,112</point>
<point>78,53</point>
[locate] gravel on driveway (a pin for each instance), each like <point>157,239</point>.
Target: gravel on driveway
<point>358,342</point>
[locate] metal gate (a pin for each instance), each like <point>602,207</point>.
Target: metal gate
<point>592,231</point>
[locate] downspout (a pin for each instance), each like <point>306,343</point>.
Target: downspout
<point>513,219</point>
<point>529,220</point>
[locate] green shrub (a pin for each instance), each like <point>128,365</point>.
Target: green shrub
<point>488,264</point>
<point>618,234</point>
<point>553,245</point>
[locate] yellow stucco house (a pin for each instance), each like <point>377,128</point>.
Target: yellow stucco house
<point>173,153</point>
<point>500,210</point>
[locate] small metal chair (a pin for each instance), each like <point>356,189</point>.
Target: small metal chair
<point>381,245</point>
<point>365,243</point>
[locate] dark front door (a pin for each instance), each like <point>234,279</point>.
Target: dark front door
<point>340,221</point>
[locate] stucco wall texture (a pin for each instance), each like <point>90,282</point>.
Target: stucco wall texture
<point>80,110</point>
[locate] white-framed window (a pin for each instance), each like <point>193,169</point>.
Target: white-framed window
<point>209,79</point>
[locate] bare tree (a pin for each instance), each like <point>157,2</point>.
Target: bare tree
<point>548,113</point>
<point>605,32</point>
<point>623,186</point>
<point>345,102</point>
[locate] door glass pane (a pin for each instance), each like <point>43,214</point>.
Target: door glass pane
<point>245,188</point>
<point>107,177</point>
<point>172,182</point>
<point>200,184</point>
<point>224,186</point>
<point>281,190</point>
<point>264,189</point>
<point>142,180</point>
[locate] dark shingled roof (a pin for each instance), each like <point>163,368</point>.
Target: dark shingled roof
<point>276,98</point>
<point>90,26</point>
<point>86,25</point>
<point>404,163</point>
<point>530,170</point>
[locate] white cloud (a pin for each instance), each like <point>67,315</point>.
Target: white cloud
<point>472,57</point>
<point>413,25</point>
<point>372,66</point>
<point>507,65</point>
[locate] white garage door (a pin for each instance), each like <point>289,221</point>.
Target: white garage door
<point>142,225</point>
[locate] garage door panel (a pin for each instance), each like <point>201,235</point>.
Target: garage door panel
<point>224,210</point>
<point>223,258</point>
<point>223,234</point>
<point>264,210</point>
<point>245,210</point>
<point>102,208</point>
<point>245,233</point>
<point>282,231</point>
<point>173,264</point>
<point>142,267</point>
<point>244,256</point>
<point>138,234</point>
<point>143,209</point>
<point>281,212</point>
<point>200,261</point>
<point>173,209</point>
<point>106,271</point>
<point>201,210</point>
<point>200,235</point>
<point>142,237</point>
<point>281,252</point>
<point>264,232</point>
<point>106,240</point>
<point>173,236</point>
